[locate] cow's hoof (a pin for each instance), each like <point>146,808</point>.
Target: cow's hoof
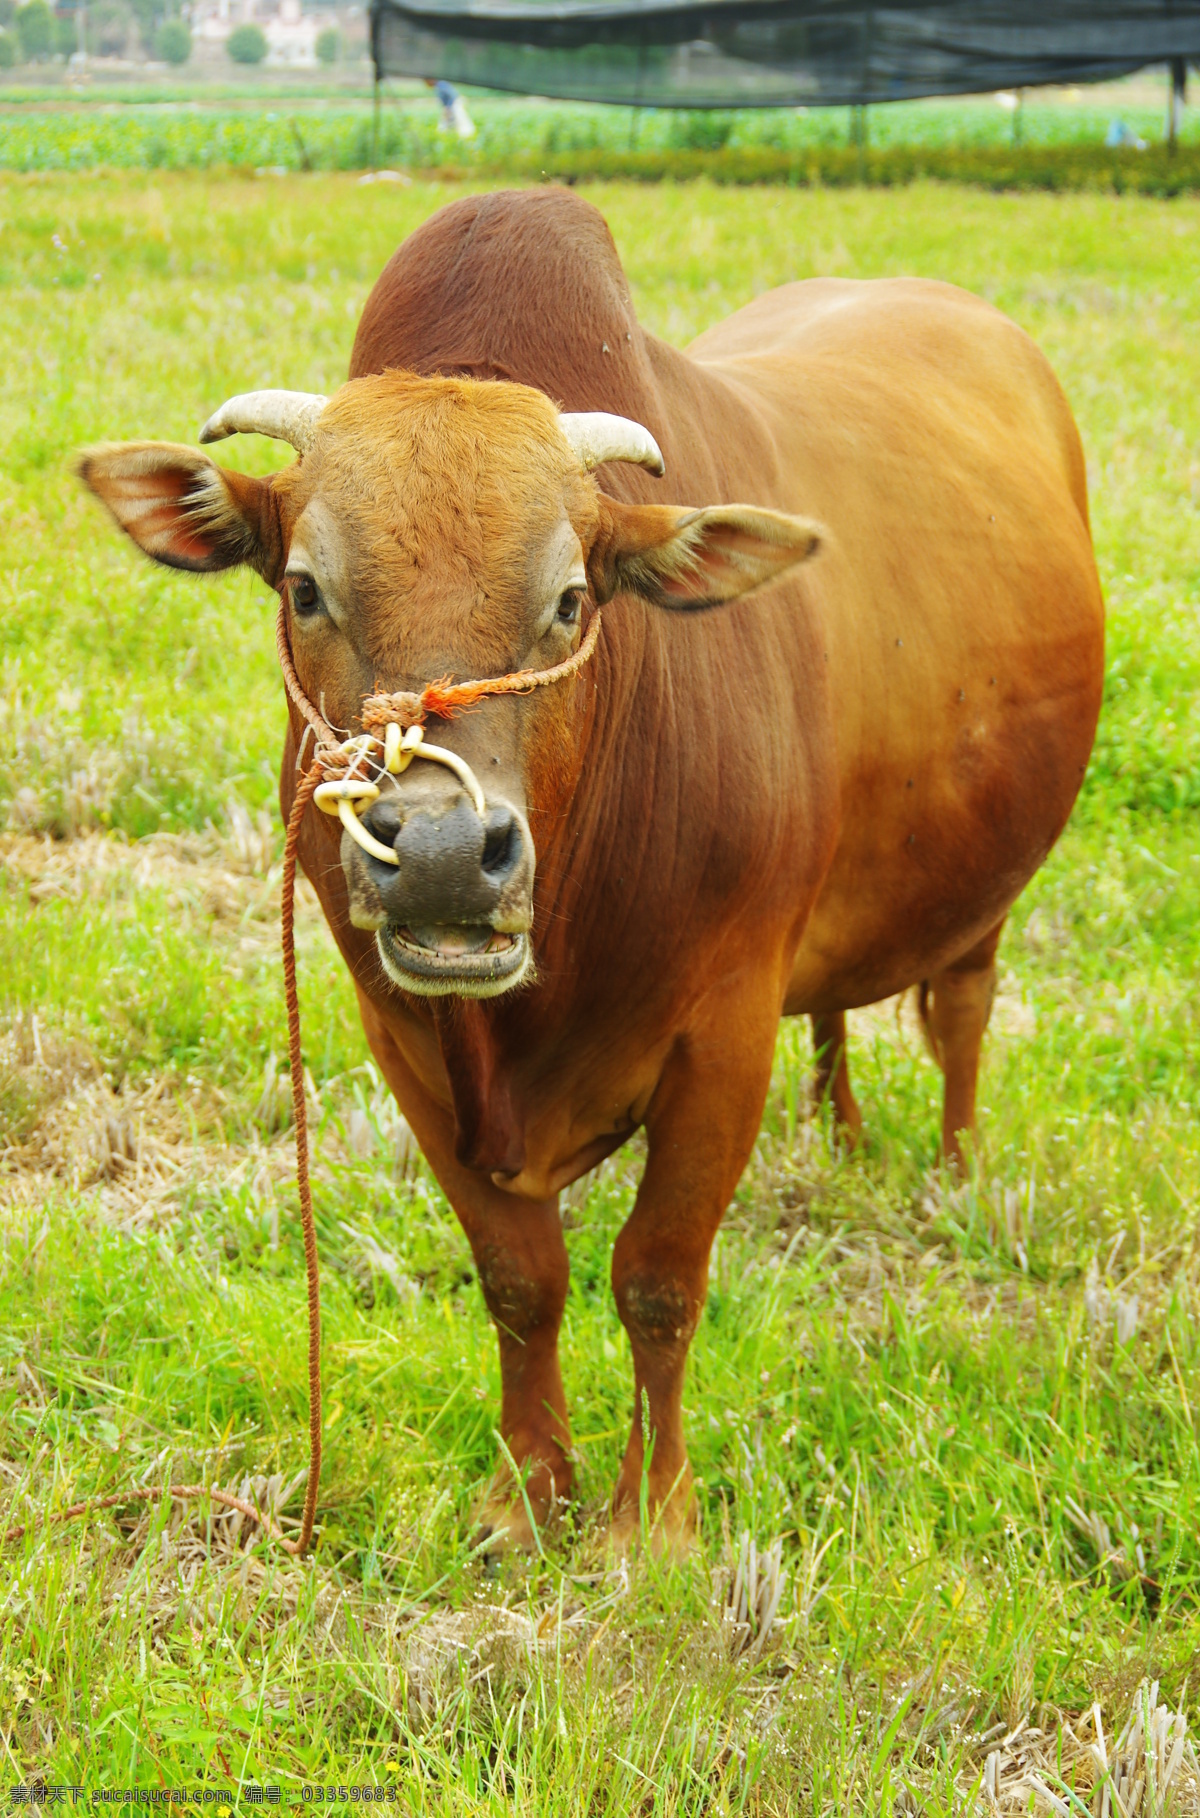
<point>505,1519</point>
<point>672,1530</point>
<point>503,1529</point>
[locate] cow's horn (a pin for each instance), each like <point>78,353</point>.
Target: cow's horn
<point>596,437</point>
<point>289,416</point>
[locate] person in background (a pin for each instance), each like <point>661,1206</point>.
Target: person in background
<point>455,118</point>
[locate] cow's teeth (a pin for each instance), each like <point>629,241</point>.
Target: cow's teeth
<point>454,942</point>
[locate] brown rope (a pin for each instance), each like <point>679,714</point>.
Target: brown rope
<point>325,734</point>
<point>287,916</point>
<point>156,1493</point>
<point>444,699</point>
<point>299,1546</point>
<point>184,1491</point>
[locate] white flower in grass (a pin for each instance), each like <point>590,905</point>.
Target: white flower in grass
<point>1127,1318</point>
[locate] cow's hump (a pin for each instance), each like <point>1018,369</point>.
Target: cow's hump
<point>520,284</point>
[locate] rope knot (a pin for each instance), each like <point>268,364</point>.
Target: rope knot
<point>345,756</point>
<point>403,709</point>
<point>329,760</point>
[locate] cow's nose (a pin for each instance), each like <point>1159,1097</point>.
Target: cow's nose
<point>452,866</point>
<point>503,844</point>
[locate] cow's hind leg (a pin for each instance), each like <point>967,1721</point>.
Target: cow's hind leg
<point>955,1005</point>
<point>832,1077</point>
<point>700,1129</point>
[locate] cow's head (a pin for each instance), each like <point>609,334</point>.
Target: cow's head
<point>442,527</point>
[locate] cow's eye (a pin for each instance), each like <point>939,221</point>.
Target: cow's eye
<point>569,604</point>
<point>305,598</point>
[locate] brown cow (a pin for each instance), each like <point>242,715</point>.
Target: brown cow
<point>806,801</point>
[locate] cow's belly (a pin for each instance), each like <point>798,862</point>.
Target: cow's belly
<point>961,607</point>
<point>956,782</point>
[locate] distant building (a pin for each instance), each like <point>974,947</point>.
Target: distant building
<point>290,32</point>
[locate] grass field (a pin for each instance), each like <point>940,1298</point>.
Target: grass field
<point>965,1414</point>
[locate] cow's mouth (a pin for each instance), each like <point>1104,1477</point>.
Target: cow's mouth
<point>472,961</point>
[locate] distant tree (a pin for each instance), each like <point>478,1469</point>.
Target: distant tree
<point>109,28</point>
<point>8,12</point>
<point>329,45</point>
<point>149,14</point>
<point>8,50</point>
<point>246,44</point>
<point>35,29</point>
<point>66,34</point>
<point>173,42</point>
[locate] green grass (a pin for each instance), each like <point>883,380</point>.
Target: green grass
<point>912,1387</point>
<point>57,88</point>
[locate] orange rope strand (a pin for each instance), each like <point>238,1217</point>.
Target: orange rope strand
<point>445,698</point>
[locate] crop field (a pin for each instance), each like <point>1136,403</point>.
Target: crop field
<point>300,134</point>
<point>955,1420</point>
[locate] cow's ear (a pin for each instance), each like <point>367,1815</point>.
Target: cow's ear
<point>686,560</point>
<point>183,509</point>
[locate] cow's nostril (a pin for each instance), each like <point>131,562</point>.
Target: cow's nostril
<point>383,820</point>
<point>502,843</point>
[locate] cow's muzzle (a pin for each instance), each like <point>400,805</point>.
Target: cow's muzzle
<point>452,916</point>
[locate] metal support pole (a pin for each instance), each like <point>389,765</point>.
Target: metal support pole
<point>635,118</point>
<point>866,87</point>
<point>1177,100</point>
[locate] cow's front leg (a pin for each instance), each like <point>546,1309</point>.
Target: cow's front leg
<point>701,1129</point>
<point>522,1263</point>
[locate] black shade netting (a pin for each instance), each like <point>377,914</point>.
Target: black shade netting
<point>773,53</point>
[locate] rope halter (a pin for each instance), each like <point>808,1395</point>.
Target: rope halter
<point>340,763</point>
